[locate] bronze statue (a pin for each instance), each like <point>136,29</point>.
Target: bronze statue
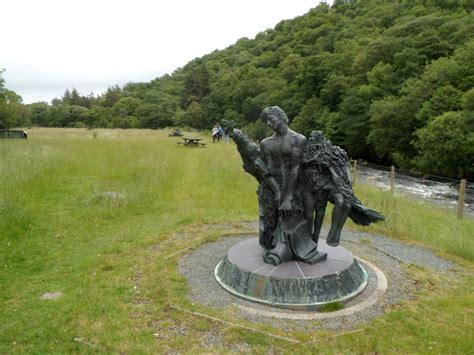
<point>326,176</point>
<point>296,179</point>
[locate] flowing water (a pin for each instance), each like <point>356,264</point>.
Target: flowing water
<point>442,193</point>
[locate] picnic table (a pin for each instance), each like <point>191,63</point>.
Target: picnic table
<point>192,142</point>
<point>176,133</point>
<point>13,133</point>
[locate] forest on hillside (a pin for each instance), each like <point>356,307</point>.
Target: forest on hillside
<point>391,83</point>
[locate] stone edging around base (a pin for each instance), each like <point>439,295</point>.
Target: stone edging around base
<point>388,254</point>
<point>243,273</point>
<point>382,285</point>
<point>290,305</point>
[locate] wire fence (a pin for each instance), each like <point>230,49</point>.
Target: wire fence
<point>440,190</point>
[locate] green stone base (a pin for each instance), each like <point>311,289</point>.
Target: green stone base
<point>293,284</point>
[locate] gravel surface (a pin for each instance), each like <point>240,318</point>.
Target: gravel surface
<point>389,255</point>
<point>405,253</point>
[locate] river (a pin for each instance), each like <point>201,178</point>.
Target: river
<point>442,193</point>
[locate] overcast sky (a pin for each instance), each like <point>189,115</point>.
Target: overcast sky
<point>47,46</point>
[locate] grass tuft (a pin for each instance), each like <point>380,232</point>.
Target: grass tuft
<point>332,307</point>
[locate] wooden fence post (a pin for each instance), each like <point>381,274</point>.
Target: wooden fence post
<point>354,173</point>
<point>462,195</point>
<point>392,179</point>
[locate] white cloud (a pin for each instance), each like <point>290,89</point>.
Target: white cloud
<point>50,45</point>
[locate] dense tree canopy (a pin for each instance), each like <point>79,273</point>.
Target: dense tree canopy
<point>389,81</point>
<point>12,111</point>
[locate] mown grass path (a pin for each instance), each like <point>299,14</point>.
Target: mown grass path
<point>103,221</point>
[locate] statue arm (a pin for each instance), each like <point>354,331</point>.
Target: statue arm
<point>333,173</point>
<point>272,184</point>
<point>348,173</point>
<point>337,179</point>
<point>268,179</point>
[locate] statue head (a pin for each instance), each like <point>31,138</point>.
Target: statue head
<point>274,115</point>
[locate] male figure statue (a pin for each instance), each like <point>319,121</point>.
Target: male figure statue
<point>297,177</point>
<point>284,231</point>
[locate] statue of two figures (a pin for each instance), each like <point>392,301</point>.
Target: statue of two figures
<point>297,177</point>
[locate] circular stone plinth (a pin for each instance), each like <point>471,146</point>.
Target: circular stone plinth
<point>293,284</point>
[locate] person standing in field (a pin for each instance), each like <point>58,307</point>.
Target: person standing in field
<point>220,133</point>
<point>215,133</point>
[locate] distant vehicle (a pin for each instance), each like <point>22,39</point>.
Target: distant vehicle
<point>176,134</point>
<point>10,133</point>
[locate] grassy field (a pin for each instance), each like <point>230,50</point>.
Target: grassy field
<point>103,217</point>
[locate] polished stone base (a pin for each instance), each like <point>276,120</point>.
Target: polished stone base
<point>293,284</point>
